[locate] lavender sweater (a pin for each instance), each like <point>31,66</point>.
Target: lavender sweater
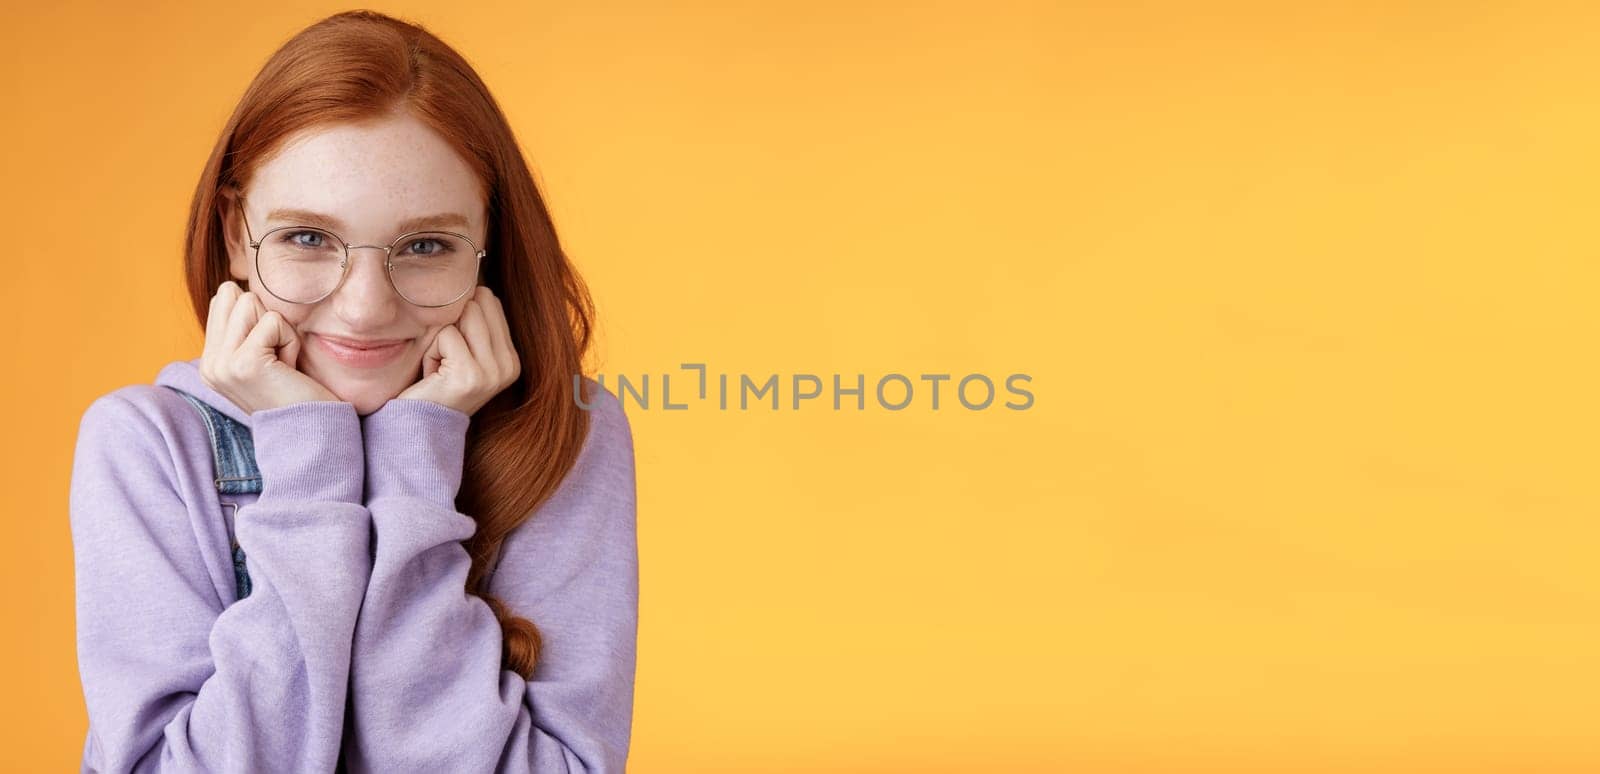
<point>355,556</point>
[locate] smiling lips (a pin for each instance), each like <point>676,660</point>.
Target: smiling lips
<point>358,353</point>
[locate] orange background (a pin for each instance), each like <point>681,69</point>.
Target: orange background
<point>1306,295</point>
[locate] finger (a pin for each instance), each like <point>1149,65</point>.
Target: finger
<point>505,348</point>
<point>289,348</point>
<point>241,319</point>
<point>431,356</point>
<point>266,335</point>
<point>474,327</point>
<point>217,316</point>
<point>453,349</point>
<point>261,309</point>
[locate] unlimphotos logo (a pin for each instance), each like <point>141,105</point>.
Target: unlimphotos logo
<point>893,391</point>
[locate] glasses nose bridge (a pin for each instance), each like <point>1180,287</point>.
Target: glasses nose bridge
<point>388,268</point>
<point>384,248</point>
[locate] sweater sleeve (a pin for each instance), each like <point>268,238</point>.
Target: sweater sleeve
<point>172,680</point>
<point>428,689</point>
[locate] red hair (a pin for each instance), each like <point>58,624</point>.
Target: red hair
<point>359,66</point>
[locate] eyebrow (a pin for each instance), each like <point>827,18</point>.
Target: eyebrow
<point>309,218</point>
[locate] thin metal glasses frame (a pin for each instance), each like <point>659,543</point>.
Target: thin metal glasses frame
<point>344,265</point>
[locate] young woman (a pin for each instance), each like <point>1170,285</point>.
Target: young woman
<point>374,526</point>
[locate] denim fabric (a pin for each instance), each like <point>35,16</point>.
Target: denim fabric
<point>235,473</point>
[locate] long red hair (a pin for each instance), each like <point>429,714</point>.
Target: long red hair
<point>360,65</point>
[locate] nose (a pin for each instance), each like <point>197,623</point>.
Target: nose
<point>365,300</point>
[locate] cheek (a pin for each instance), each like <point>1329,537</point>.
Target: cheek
<point>435,322</point>
<point>295,314</point>
<point>296,321</point>
<point>449,315</point>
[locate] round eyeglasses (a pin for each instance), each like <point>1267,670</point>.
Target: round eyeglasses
<point>305,264</point>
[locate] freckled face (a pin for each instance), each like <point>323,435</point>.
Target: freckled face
<point>367,179</point>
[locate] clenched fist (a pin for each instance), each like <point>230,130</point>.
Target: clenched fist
<point>250,354</point>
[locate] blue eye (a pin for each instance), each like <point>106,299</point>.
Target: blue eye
<point>317,239</point>
<point>429,246</point>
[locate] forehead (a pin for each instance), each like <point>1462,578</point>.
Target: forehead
<point>369,175</point>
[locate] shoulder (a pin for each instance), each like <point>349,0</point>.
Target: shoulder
<point>605,465</point>
<point>141,474</point>
<point>575,559</point>
<point>139,410</point>
<point>141,429</point>
<point>138,463</point>
<point>610,434</point>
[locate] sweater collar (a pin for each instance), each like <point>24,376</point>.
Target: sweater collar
<point>185,375</point>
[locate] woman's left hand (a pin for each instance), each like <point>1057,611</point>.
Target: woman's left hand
<point>469,361</point>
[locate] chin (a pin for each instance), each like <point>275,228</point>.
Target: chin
<point>366,394</point>
<point>365,399</point>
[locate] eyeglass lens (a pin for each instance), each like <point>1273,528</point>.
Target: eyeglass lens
<point>303,264</point>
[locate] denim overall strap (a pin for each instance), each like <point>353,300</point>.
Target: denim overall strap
<point>234,455</point>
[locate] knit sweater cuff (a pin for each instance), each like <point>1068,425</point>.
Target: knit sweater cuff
<point>415,448</point>
<point>309,451</point>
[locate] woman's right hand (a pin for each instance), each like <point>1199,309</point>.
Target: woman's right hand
<point>250,354</point>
